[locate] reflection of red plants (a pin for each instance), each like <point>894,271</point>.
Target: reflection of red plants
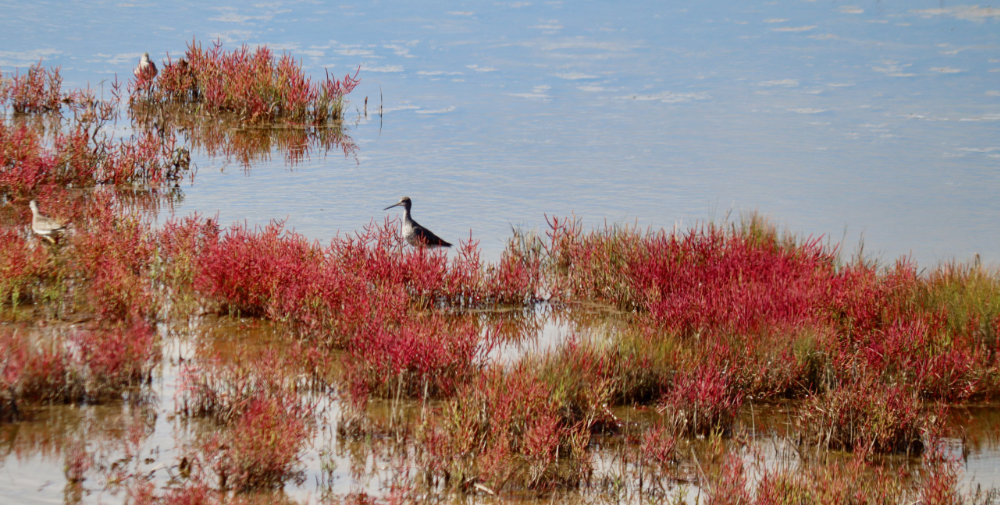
<point>657,447</point>
<point>79,156</point>
<point>144,158</point>
<point>44,374</point>
<point>143,492</point>
<point>940,485</point>
<point>866,416</point>
<point>829,482</point>
<point>116,359</point>
<point>264,423</point>
<point>92,365</point>
<point>730,484</point>
<point>77,462</point>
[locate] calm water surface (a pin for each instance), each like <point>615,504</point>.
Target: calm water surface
<point>873,120</point>
<point>878,120</point>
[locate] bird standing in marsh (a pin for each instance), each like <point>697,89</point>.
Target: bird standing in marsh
<point>416,235</point>
<point>146,70</point>
<point>45,226</point>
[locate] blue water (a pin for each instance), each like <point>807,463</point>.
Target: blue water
<point>873,120</point>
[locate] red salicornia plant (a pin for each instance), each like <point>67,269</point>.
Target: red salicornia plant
<point>253,84</point>
<point>38,91</point>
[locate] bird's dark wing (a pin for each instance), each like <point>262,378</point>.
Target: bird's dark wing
<point>428,237</point>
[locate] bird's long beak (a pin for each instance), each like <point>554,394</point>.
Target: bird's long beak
<point>397,204</point>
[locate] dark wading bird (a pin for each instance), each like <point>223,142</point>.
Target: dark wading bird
<point>44,226</point>
<point>416,235</point>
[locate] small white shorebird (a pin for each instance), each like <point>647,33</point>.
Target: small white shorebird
<point>146,69</point>
<point>45,226</point>
<point>416,235</point>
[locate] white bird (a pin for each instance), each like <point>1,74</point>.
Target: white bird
<point>416,235</point>
<point>45,226</point>
<point>146,69</point>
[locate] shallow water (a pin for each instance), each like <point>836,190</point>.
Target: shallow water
<point>873,119</point>
<point>146,440</point>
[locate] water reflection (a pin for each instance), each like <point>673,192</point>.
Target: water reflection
<point>978,427</point>
<point>373,451</point>
<point>227,138</point>
<point>81,450</point>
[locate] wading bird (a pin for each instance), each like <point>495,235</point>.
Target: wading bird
<point>44,226</point>
<point>146,69</point>
<point>416,235</point>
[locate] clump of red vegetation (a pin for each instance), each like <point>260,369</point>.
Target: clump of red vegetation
<point>419,357</point>
<point>254,85</point>
<point>507,431</point>
<point>240,86</point>
<point>526,426</point>
<point>769,316</point>
<point>263,446</point>
<point>116,252</point>
<point>708,280</point>
<point>332,290</point>
<point>20,267</point>
<point>657,451</point>
<point>38,91</point>
<point>254,272</point>
<point>266,422</point>
<point>702,402</point>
